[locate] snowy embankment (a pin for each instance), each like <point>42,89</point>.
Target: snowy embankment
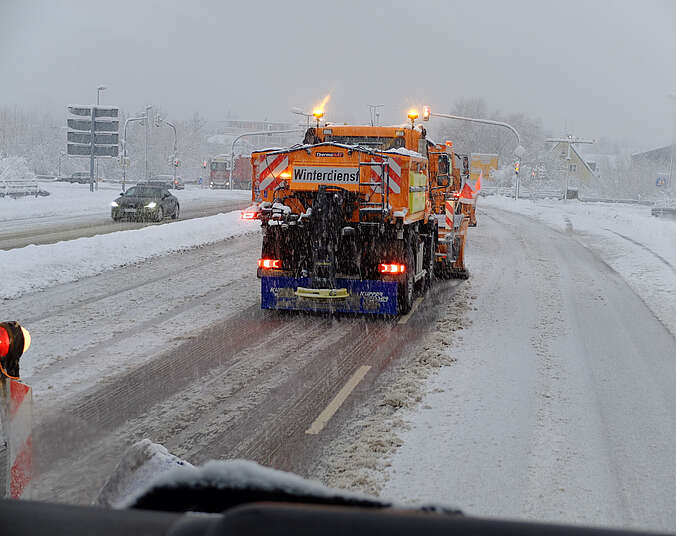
<point>638,246</point>
<point>37,267</point>
<point>67,199</point>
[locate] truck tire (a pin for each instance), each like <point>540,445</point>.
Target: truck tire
<point>430,257</point>
<point>407,287</point>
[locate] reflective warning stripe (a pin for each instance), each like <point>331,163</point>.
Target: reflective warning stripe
<point>394,172</point>
<point>448,223</point>
<point>395,175</point>
<point>268,171</point>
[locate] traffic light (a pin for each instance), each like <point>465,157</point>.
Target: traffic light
<point>427,111</point>
<point>516,167</point>
<point>14,341</point>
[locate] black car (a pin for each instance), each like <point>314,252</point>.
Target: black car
<point>145,202</point>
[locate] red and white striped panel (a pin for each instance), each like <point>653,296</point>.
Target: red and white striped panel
<point>268,170</point>
<point>448,223</point>
<point>18,406</point>
<point>395,173</point>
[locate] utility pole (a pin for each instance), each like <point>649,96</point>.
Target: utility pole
<point>569,141</point>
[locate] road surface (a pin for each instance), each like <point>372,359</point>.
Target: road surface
<point>21,232</point>
<point>558,406</point>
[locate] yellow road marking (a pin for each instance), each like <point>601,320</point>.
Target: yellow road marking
<point>405,318</point>
<point>324,417</point>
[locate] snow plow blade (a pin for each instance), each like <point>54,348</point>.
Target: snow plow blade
<point>349,296</point>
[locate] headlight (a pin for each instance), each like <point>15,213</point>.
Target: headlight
<point>152,204</point>
<point>114,204</point>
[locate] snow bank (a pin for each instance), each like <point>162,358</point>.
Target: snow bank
<point>638,246</point>
<point>36,267</point>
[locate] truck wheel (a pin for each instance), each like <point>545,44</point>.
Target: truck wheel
<point>429,265</point>
<point>407,287</point>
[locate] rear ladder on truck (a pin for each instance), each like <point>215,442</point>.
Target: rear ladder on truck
<point>368,208</point>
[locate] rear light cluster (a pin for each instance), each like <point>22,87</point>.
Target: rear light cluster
<point>249,215</point>
<point>391,268</point>
<point>270,264</point>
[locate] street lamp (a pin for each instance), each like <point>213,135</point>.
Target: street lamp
<point>99,89</point>
<point>260,133</point>
<point>158,122</point>
<point>518,152</point>
<point>298,111</point>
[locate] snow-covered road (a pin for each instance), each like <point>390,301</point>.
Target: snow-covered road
<point>560,405</point>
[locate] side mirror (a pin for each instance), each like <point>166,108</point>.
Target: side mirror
<point>121,194</point>
<point>165,195</point>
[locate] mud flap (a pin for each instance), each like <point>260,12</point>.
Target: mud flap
<point>368,296</point>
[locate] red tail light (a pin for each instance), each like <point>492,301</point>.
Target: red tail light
<point>248,215</point>
<point>391,268</point>
<point>270,264</point>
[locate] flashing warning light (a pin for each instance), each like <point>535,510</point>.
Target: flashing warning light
<point>413,114</point>
<point>449,144</point>
<point>285,175</point>
<point>270,264</point>
<point>4,342</point>
<point>427,111</point>
<point>318,114</point>
<point>391,268</point>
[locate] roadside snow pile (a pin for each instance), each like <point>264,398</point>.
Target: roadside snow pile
<point>36,267</point>
<point>15,168</point>
<point>638,246</point>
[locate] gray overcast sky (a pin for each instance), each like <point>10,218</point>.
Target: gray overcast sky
<point>604,68</point>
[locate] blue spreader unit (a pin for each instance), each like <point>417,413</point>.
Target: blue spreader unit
<point>369,296</point>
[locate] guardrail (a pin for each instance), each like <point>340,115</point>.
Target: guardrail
<point>16,189</point>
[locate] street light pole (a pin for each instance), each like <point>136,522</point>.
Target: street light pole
<point>99,89</point>
<point>147,125</point>
<point>124,149</point>
<point>260,133</point>
<point>673,146</point>
<point>518,151</point>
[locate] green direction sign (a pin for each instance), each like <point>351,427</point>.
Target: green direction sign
<point>101,126</point>
<point>106,111</point>
<point>75,149</point>
<point>80,110</point>
<point>99,139</point>
<point>100,111</point>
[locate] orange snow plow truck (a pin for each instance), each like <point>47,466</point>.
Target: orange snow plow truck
<point>357,219</point>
